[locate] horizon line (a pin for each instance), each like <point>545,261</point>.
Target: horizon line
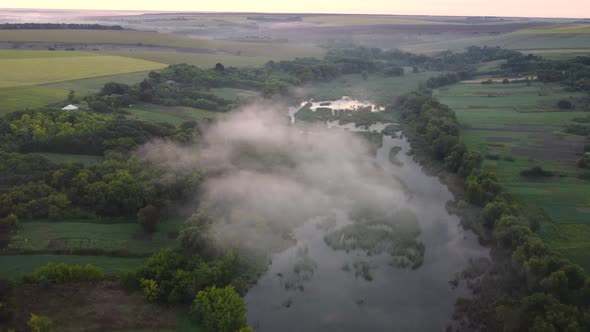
<point>281,13</point>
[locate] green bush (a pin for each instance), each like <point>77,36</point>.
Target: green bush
<point>220,309</point>
<point>40,324</point>
<point>63,273</point>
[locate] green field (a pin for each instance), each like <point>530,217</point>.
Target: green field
<point>522,42</point>
<point>203,60</point>
<point>232,94</point>
<point>39,70</point>
<point>142,38</point>
<point>53,235</point>
<point>169,114</point>
<point>13,99</point>
<point>18,265</point>
<point>91,85</point>
<point>569,29</point>
<point>377,88</point>
<point>515,129</point>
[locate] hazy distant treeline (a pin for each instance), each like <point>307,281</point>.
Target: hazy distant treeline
<point>58,26</point>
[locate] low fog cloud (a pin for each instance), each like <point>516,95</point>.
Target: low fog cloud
<point>267,176</point>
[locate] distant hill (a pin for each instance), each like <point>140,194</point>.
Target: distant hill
<point>58,26</point>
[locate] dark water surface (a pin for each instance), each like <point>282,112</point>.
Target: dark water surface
<point>306,287</point>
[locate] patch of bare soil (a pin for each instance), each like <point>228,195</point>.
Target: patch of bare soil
<point>89,307</point>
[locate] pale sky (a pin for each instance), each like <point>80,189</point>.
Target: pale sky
<point>537,8</point>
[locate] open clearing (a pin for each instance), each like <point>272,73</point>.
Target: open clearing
<point>39,70</point>
<point>515,128</point>
<point>377,88</point>
<point>54,236</point>
<point>169,114</point>
<point>101,306</point>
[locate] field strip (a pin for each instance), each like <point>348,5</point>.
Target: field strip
<point>33,71</point>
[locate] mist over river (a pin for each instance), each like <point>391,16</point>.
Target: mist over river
<point>311,286</point>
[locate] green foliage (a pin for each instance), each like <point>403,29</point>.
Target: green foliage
<point>40,324</point>
<point>63,273</point>
<point>150,289</point>
<point>536,172</point>
<point>171,277</point>
<point>220,309</point>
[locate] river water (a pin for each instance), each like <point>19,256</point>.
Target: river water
<point>307,288</point>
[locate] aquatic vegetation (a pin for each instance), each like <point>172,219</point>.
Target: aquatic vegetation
<point>375,233</point>
<point>393,155</point>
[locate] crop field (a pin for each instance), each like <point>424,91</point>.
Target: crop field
<point>169,114</point>
<point>141,38</point>
<point>203,60</point>
<point>515,128</point>
<point>19,265</point>
<point>18,98</point>
<point>522,42</point>
<point>90,85</point>
<point>363,20</point>
<point>377,88</point>
<point>574,28</point>
<point>39,70</point>
<point>53,236</point>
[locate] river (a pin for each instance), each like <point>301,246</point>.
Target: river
<point>310,286</point>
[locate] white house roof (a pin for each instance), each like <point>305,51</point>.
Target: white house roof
<point>70,107</point>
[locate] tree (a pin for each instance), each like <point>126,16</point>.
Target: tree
<point>365,75</point>
<point>71,95</point>
<point>149,218</point>
<point>564,104</point>
<point>219,67</point>
<point>220,309</point>
<point>40,323</point>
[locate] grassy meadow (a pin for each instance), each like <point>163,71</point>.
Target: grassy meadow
<point>28,97</point>
<point>377,88</point>
<point>516,127</point>
<point>73,235</point>
<point>174,115</point>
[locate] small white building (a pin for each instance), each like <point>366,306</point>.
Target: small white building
<point>70,107</point>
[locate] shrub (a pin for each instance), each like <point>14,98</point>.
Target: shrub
<point>63,273</point>
<point>40,323</point>
<point>220,309</point>
<point>536,172</point>
<point>564,104</point>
